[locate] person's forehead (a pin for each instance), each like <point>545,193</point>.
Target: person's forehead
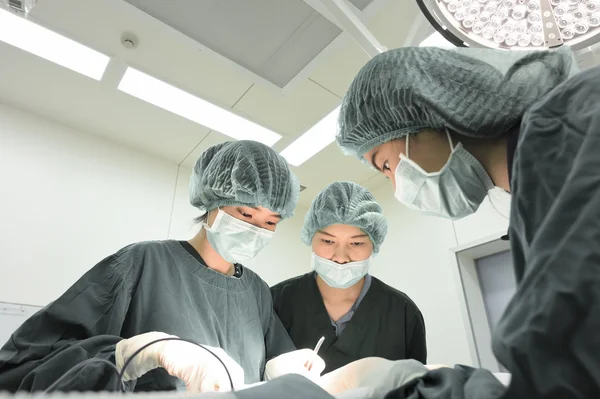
<point>343,230</point>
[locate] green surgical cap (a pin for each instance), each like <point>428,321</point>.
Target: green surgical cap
<point>243,173</point>
<point>345,203</point>
<point>481,93</point>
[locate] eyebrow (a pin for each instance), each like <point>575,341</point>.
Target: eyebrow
<point>360,236</point>
<point>373,156</point>
<point>326,233</point>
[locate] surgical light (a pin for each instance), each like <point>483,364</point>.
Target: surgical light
<point>515,24</point>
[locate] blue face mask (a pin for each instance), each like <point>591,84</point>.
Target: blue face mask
<point>338,275</point>
<point>234,240</point>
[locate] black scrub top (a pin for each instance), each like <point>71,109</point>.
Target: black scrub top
<point>386,324</point>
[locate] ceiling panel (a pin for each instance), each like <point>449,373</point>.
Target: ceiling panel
<point>326,167</point>
<point>340,69</point>
<point>61,95</point>
<point>213,138</point>
<point>274,39</point>
<point>161,53</point>
<point>288,115</point>
<point>377,182</point>
<point>392,25</point>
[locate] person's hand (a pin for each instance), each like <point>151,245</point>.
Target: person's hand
<point>200,371</point>
<point>304,362</point>
<point>436,366</point>
<point>144,361</point>
<point>374,373</point>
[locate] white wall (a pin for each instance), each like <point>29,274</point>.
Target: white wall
<point>68,199</point>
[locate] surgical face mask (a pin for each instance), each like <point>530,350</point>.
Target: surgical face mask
<point>235,240</point>
<point>454,192</point>
<point>337,275</point>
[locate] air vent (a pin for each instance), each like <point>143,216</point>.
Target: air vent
<point>23,6</point>
<point>302,188</point>
<point>362,5</point>
<point>18,4</point>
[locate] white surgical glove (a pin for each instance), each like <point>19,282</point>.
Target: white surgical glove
<point>304,362</point>
<point>377,375</point>
<point>436,366</point>
<point>198,369</point>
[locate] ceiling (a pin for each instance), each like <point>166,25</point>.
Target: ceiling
<point>98,108</point>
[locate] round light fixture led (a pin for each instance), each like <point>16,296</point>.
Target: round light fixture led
<point>514,24</point>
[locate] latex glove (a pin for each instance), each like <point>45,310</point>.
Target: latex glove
<point>304,362</point>
<point>377,374</point>
<point>436,366</point>
<point>146,360</point>
<point>199,370</point>
<point>504,378</point>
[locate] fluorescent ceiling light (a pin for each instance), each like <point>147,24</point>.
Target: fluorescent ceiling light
<point>177,101</point>
<point>436,40</point>
<point>314,140</point>
<point>44,43</point>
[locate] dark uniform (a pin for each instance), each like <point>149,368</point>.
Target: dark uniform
<point>152,286</point>
<point>386,323</point>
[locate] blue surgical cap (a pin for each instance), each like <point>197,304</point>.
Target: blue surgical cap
<point>345,203</point>
<point>243,173</point>
<point>480,93</point>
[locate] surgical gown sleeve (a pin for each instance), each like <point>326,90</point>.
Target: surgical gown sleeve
<point>277,339</point>
<point>549,336</point>
<point>417,347</point>
<point>84,323</point>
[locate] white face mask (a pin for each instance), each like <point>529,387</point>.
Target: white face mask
<point>235,240</point>
<point>337,275</point>
<point>454,192</point>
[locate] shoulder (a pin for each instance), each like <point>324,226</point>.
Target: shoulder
<point>146,248</point>
<point>397,297</point>
<point>291,286</point>
<point>573,101</point>
<point>136,255</point>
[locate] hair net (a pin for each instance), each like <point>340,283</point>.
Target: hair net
<point>345,203</point>
<point>243,173</point>
<point>474,92</point>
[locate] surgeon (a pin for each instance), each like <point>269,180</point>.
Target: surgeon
<point>358,314</point>
<point>448,125</point>
<point>197,290</point>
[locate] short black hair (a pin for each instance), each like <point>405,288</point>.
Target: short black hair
<point>201,219</point>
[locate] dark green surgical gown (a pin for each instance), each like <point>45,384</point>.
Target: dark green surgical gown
<point>549,335</point>
<point>386,323</point>
<point>150,286</point>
